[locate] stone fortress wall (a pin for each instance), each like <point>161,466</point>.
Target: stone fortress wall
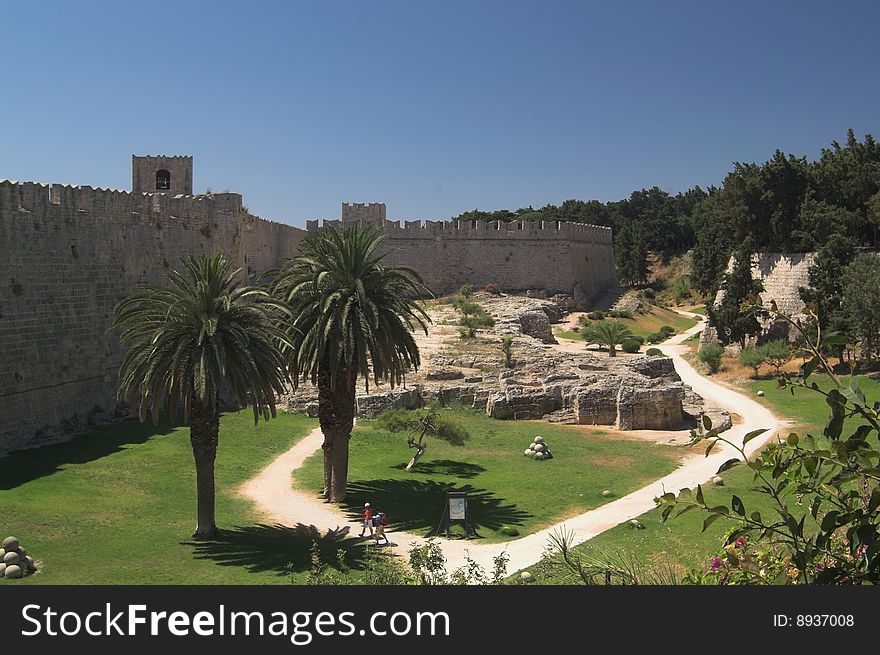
<point>69,254</point>
<point>783,274</point>
<point>558,257</point>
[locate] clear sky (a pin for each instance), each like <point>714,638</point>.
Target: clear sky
<point>433,108</point>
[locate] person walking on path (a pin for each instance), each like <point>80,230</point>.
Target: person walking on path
<point>368,520</point>
<point>381,521</point>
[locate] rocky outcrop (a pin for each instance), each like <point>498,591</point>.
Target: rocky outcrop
<point>369,406</point>
<point>443,374</point>
<point>596,404</point>
<point>650,408</point>
<point>536,324</point>
<point>523,403</point>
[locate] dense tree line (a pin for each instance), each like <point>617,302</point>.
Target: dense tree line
<point>786,204</point>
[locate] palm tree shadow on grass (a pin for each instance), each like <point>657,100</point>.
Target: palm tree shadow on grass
<point>279,548</point>
<point>417,505</point>
<point>445,467</point>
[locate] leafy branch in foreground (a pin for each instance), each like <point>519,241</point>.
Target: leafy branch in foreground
<point>823,489</point>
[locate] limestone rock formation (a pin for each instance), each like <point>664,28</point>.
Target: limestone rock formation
<point>655,407</point>
<point>443,374</point>
<point>370,405</point>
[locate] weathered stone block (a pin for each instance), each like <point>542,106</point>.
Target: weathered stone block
<point>536,324</point>
<point>649,408</point>
<point>443,374</point>
<point>596,404</point>
<point>370,406</point>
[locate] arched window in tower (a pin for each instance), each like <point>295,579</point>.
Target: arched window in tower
<point>163,180</point>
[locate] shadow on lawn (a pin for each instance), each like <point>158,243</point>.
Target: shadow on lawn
<point>445,467</point>
<point>259,548</point>
<point>416,505</point>
<point>22,466</point>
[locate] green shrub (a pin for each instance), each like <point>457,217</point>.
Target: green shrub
<point>492,288</point>
<point>776,353</point>
<point>654,352</point>
<point>620,313</point>
<point>476,321</point>
<point>710,355</point>
<point>508,530</point>
<point>630,346</point>
<point>466,290</point>
<point>667,330</point>
<point>681,290</point>
<point>641,340</point>
<point>753,358</point>
<point>466,307</point>
<point>657,337</point>
<point>595,316</point>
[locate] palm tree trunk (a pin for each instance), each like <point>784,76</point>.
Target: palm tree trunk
<point>336,415</point>
<point>203,434</point>
<point>327,446</point>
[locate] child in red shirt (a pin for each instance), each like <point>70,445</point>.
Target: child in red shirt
<point>368,519</point>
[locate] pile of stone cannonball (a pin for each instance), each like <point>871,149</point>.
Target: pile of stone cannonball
<point>538,449</point>
<point>14,560</point>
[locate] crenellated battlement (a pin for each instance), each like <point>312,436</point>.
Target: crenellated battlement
<point>36,196</point>
<point>426,229</point>
<point>371,212</point>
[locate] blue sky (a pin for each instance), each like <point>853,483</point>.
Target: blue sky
<point>434,108</point>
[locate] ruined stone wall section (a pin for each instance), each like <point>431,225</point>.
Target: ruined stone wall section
<point>559,257</point>
<point>783,274</point>
<point>67,256</point>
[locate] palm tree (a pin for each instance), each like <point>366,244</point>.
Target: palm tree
<point>350,317</point>
<point>607,333</point>
<point>188,340</point>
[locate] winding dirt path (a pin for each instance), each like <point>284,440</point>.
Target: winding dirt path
<point>271,490</point>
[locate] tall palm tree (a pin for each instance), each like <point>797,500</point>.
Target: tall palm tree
<point>188,340</point>
<point>607,333</point>
<point>350,317</point>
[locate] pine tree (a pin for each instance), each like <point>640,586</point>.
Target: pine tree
<point>727,317</point>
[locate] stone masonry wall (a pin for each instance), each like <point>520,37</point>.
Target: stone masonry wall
<point>783,274</point>
<point>559,257</point>
<point>67,256</point>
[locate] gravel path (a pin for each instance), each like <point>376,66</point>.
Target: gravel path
<point>273,494</point>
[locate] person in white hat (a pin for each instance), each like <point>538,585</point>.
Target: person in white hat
<point>368,519</point>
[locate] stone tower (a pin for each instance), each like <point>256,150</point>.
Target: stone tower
<point>372,213</point>
<point>172,175</point>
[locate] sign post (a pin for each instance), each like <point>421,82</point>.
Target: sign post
<point>455,510</point>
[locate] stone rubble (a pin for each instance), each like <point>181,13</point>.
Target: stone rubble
<point>629,393</point>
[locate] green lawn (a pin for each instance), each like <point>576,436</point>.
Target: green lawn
<point>680,542</point>
<point>643,325</point>
<point>118,506</point>
<point>504,487</point>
